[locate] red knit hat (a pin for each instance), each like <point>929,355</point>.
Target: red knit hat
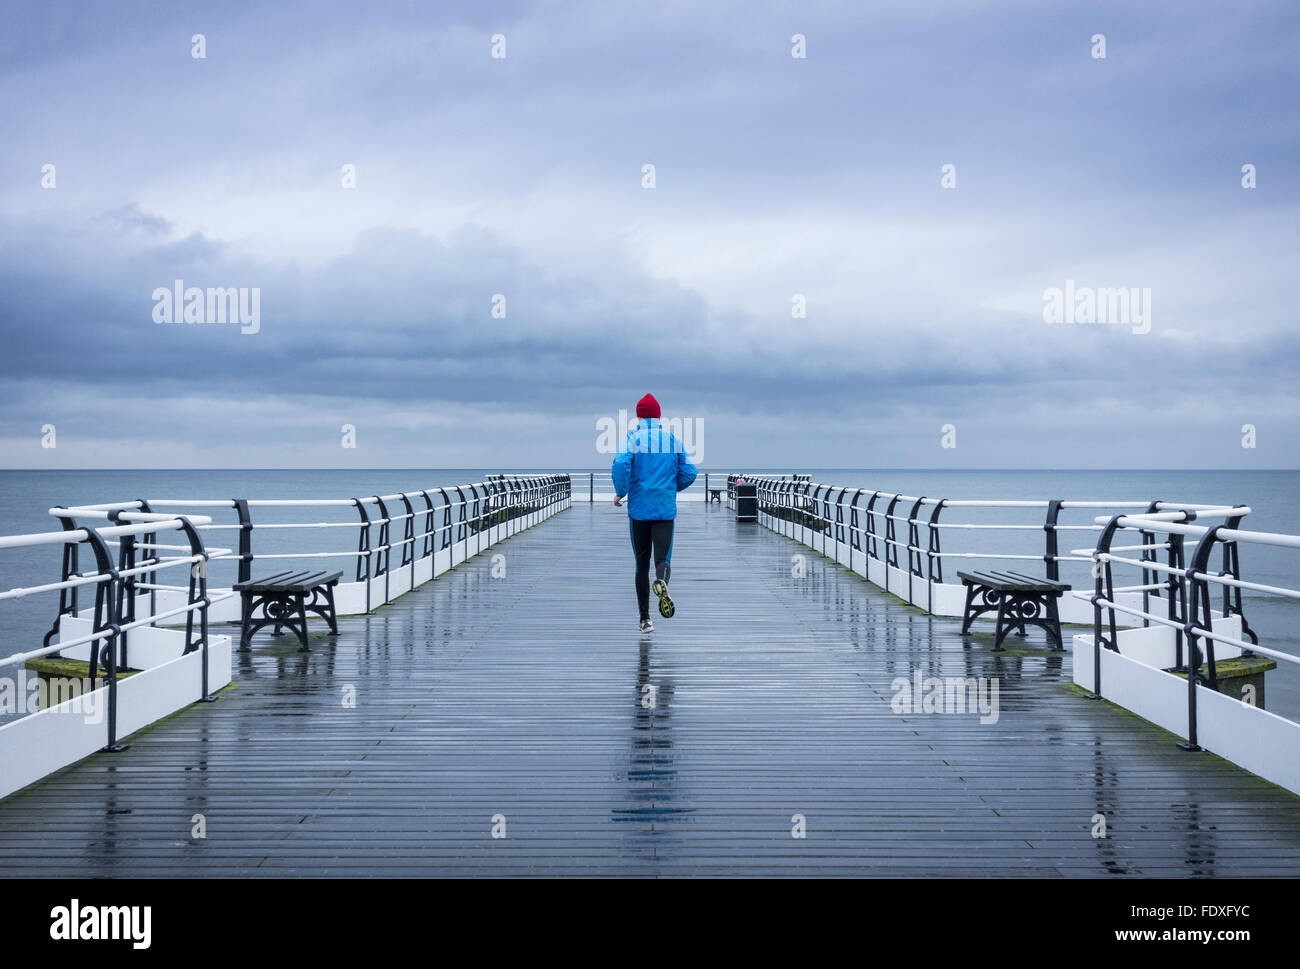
<point>647,406</point>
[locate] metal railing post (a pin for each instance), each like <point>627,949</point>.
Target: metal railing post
<point>891,548</point>
<point>914,549</point>
<point>1101,590</point>
<point>428,526</point>
<point>245,539</point>
<point>125,587</point>
<point>446,520</point>
<point>1052,550</point>
<point>151,577</point>
<point>1150,555</point>
<point>104,650</point>
<point>935,554</point>
<point>363,549</point>
<point>408,535</point>
<point>855,539</point>
<point>67,597</point>
<point>1199,616</point>
<point>198,595</point>
<point>1231,594</point>
<point>1176,609</point>
<point>873,550</point>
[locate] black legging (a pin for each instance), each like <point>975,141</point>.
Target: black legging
<point>646,535</point>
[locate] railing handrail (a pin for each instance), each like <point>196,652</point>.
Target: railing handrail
<point>487,498</point>
<point>1179,587</point>
<point>77,535</point>
<point>129,559</point>
<point>918,516</point>
<point>1188,598</point>
<point>113,615</point>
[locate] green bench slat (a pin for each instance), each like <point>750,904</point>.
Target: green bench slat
<point>1047,583</point>
<point>982,578</point>
<point>288,582</point>
<point>1012,582</point>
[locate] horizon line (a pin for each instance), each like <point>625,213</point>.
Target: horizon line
<point>789,469</point>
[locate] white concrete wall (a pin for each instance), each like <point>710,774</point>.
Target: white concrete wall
<point>350,596</point>
<point>41,743</point>
<point>1259,741</point>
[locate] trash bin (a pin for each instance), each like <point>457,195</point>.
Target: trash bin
<point>747,502</point>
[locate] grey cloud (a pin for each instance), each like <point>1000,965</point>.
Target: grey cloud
<point>1121,172</point>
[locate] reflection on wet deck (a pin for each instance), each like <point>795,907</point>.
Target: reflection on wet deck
<point>532,700</point>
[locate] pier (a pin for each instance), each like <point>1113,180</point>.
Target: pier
<point>507,718</point>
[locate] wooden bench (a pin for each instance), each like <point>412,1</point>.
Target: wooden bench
<point>715,494</point>
<point>282,599</point>
<point>1019,600</point>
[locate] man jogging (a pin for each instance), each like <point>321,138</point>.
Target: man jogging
<point>650,469</point>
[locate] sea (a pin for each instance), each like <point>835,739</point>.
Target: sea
<point>1272,496</point>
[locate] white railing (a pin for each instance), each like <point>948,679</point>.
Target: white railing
<point>599,486</point>
<point>1157,640</point>
<point>110,627</point>
<point>1182,644</point>
<point>127,613</point>
<point>91,713</point>
<point>398,541</point>
<point>911,546</point>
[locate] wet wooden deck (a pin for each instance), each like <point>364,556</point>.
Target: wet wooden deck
<point>523,696</point>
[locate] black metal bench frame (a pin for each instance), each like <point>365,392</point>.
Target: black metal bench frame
<point>715,494</point>
<point>1019,600</point>
<point>282,599</point>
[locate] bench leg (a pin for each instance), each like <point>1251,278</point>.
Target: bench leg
<point>322,604</point>
<point>1004,624</point>
<point>967,614</point>
<point>1053,624</point>
<point>302,623</point>
<point>331,617</point>
<point>246,615</point>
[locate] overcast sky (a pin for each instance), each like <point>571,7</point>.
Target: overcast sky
<point>775,176</point>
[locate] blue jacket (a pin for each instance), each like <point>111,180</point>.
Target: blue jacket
<point>650,469</point>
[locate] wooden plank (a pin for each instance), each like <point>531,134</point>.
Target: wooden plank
<point>525,695</point>
<point>1012,582</point>
<point>1048,585</point>
<point>239,586</point>
<point>989,579</point>
<point>289,582</point>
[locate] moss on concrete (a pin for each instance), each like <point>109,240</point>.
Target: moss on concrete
<point>1238,666</point>
<point>1254,779</point>
<point>72,669</point>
